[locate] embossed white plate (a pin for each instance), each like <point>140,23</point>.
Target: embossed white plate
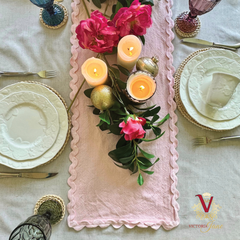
<point>28,125</point>
<point>200,81</point>
<point>63,123</point>
<point>183,90</point>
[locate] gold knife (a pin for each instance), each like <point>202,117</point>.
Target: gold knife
<point>27,175</point>
<point>210,44</point>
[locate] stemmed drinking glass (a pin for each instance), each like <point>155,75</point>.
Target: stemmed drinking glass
<point>49,210</point>
<point>52,15</point>
<point>188,24</point>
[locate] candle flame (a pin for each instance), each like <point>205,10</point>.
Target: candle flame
<point>95,72</point>
<point>130,50</point>
<point>141,87</point>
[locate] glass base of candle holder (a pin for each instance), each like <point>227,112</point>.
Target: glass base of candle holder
<point>56,20</point>
<point>186,26</point>
<point>137,100</point>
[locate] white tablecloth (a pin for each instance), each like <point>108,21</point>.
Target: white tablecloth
<point>26,45</point>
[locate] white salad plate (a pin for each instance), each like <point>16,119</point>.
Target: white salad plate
<point>28,125</point>
<point>184,93</point>
<point>199,85</point>
<point>59,106</point>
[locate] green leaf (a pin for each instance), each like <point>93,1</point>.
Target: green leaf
<point>104,116</point>
<point>97,3</point>
<point>114,51</point>
<point>147,108</point>
<point>119,112</point>
<point>122,152</point>
<point>142,39</point>
<point>150,140</point>
<point>145,154</point>
<point>140,179</point>
<point>123,2</point>
<point>115,72</point>
<point>96,111</point>
<point>100,123</point>
<point>127,159</point>
<point>121,142</point>
<point>163,120</point>
<point>121,84</point>
<point>118,6</point>
<point>147,2</point>
<point>88,92</point>
<point>144,161</point>
<point>124,166</point>
<point>151,112</point>
<point>156,131</point>
<point>141,166</point>
<point>156,160</point>
<point>154,119</point>
<point>113,9</point>
<point>104,126</point>
<point>148,172</point>
<point>103,1</point>
<point>128,3</point>
<point>122,69</point>
<point>115,106</point>
<point>133,168</point>
<point>114,129</point>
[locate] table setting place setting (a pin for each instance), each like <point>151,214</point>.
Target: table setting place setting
<point>117,127</point>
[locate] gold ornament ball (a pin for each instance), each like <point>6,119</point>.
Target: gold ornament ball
<point>149,65</point>
<point>102,97</point>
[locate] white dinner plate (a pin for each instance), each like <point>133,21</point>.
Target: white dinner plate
<point>28,125</point>
<point>183,90</point>
<point>63,124</point>
<point>200,82</point>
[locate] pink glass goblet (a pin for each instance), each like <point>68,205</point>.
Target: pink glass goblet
<point>187,24</point>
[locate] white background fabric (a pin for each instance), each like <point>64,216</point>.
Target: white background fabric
<point>26,45</point>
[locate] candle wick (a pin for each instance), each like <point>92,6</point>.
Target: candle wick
<point>141,87</point>
<point>95,72</point>
<point>130,50</point>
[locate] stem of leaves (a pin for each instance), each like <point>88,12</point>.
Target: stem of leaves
<point>85,6</point>
<point>112,76</point>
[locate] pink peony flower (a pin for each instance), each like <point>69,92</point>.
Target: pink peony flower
<point>133,128</point>
<point>97,33</point>
<point>133,20</point>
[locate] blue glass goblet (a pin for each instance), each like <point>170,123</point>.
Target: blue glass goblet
<point>53,15</point>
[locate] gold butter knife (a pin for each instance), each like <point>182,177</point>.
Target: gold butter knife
<point>27,175</point>
<point>211,44</point>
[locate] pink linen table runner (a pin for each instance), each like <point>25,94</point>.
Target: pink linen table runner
<point>102,194</point>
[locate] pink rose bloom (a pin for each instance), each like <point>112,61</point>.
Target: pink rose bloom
<point>133,20</point>
<point>133,128</point>
<point>97,33</point>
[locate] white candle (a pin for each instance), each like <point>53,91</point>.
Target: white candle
<point>129,49</point>
<point>141,86</point>
<point>95,71</point>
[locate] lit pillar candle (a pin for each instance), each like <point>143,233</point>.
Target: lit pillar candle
<point>129,49</point>
<point>95,71</point>
<point>140,86</point>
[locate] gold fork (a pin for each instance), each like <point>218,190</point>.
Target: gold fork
<point>206,140</point>
<point>42,74</point>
